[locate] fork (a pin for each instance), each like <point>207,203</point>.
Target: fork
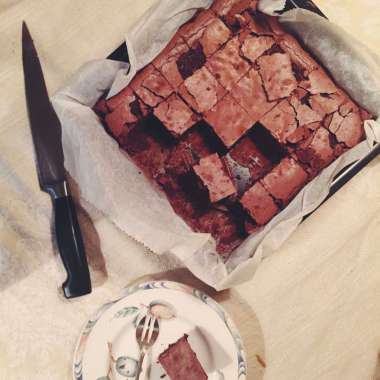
<point>146,335</point>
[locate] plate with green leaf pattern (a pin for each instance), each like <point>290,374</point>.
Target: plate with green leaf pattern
<point>107,348</point>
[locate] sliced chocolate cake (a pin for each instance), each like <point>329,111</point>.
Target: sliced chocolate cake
<point>180,362</point>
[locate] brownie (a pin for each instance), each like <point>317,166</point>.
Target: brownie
<point>207,30</point>
<point>285,180</point>
<point>166,62</point>
<point>348,107</point>
<point>119,119</point>
<point>227,65</point>
<point>278,76</point>
<point>181,363</point>
<point>254,47</point>
<point>317,150</point>
<point>305,114</point>
<point>151,86</point>
<point>231,11</point>
<point>333,121</point>
<point>318,83</point>
<point>257,23</point>
<point>202,91</point>
<point>350,132</point>
<point>214,175</point>
<point>303,64</point>
<point>175,114</point>
<point>259,203</point>
<point>224,228</point>
<point>281,121</point>
<point>125,111</point>
<point>231,120</point>
<point>326,104</point>
<point>250,94</point>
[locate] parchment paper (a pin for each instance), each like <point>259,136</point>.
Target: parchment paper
<point>110,181</point>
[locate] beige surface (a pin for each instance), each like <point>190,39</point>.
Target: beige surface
<point>314,307</point>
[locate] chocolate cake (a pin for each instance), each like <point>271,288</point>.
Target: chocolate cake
<point>180,362</point>
<point>232,120</point>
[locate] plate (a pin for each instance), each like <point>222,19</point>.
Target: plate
<point>107,347</point>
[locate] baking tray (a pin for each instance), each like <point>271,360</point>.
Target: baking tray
<point>121,54</point>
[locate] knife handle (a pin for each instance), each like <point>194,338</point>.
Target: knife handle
<point>70,246</point>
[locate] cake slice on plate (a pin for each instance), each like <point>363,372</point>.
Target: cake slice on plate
<point>181,363</point>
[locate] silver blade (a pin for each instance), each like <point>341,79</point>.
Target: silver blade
<point>44,123</point>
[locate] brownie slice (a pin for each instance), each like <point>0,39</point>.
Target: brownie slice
<point>318,150</point>
<point>175,115</point>
<point>181,363</point>
<point>327,104</point>
<point>305,114</point>
<point>166,61</point>
<point>254,46</point>
<point>151,87</point>
<point>207,30</point>
<point>231,10</point>
<point>318,82</point>
<point>303,64</point>
<point>214,175</point>
<point>229,120</point>
<point>125,111</point>
<point>350,132</point>
<point>227,65</point>
<point>285,180</point>
<point>281,121</point>
<point>249,93</point>
<point>259,203</point>
<point>202,91</point>
<point>224,227</point>
<point>278,77</point>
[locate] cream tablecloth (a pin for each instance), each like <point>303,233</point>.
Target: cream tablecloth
<point>311,312</point>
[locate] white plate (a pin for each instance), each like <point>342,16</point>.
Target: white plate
<point>107,348</point>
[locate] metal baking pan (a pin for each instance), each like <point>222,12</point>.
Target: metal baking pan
<point>121,54</point>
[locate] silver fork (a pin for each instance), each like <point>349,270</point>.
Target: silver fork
<point>146,335</point>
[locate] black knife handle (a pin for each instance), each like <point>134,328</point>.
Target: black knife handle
<point>71,248</point>
<point>69,241</point>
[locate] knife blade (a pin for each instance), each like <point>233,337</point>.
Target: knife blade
<point>47,140</point>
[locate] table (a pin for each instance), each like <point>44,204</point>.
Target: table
<point>311,312</point>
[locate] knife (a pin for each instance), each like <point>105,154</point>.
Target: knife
<point>46,134</point>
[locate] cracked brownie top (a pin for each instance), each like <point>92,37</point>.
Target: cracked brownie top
<point>232,119</point>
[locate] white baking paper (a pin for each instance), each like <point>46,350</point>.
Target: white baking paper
<point>110,181</point>
<point>271,7</point>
